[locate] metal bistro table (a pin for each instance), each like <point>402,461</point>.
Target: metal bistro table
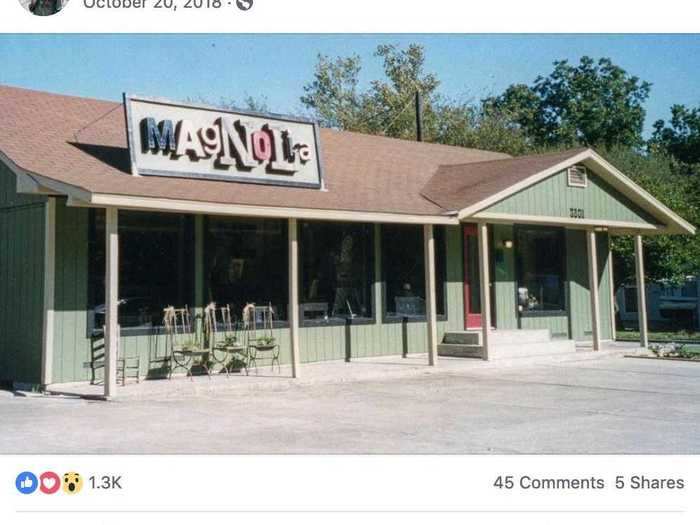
<point>185,351</point>
<point>225,346</point>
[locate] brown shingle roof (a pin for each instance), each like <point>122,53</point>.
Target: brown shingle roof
<point>82,142</point>
<point>458,186</point>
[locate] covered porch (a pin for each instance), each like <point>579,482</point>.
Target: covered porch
<point>488,282</point>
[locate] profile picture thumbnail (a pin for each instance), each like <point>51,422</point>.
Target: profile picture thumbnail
<point>43,7</point>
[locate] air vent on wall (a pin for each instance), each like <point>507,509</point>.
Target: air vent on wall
<point>578,176</point>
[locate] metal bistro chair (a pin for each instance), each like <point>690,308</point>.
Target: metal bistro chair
<point>260,341</point>
<point>185,352</point>
<point>225,347</point>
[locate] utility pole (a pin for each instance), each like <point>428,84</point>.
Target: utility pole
<point>419,117</point>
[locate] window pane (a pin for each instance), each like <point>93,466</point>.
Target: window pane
<point>630,299</point>
<point>404,270</point>
<point>246,261</point>
<point>541,276</point>
<point>156,265</point>
<point>337,269</point>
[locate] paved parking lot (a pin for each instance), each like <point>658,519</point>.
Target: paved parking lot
<point>611,405</point>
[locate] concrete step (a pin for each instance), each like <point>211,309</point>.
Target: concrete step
<point>473,337</point>
<point>522,350</point>
<point>460,350</point>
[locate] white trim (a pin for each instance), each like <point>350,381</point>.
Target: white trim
<point>485,279</point>
<point>49,291</point>
<point>111,345</point>
<point>593,287</point>
<point>515,188</point>
<point>294,297</point>
<point>610,174</point>
<point>641,292</point>
<point>60,188</point>
<point>210,208</point>
<point>430,292</point>
<point>29,186</point>
<point>509,218</point>
<point>611,277</point>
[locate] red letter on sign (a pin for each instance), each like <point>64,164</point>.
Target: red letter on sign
<point>262,146</point>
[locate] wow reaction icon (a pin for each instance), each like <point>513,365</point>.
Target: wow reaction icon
<point>72,483</point>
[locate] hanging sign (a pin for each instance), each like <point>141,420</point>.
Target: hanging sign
<point>168,139</point>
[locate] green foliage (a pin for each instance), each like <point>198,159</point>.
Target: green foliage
<point>387,106</point>
<point>681,137</point>
<point>333,95</point>
<point>470,126</point>
<point>594,104</point>
<point>667,257</point>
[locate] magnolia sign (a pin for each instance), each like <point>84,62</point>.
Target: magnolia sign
<point>174,140</point>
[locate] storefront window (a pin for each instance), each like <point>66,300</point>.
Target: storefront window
<point>156,264</point>
<point>540,263</point>
<point>630,299</point>
<point>246,262</point>
<point>403,266</point>
<point>337,267</point>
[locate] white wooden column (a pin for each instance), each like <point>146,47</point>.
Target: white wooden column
<point>378,284</point>
<point>641,292</point>
<point>483,238</point>
<point>430,293</point>
<point>111,301</point>
<point>49,291</point>
<point>199,296</point>
<point>613,328</point>
<point>593,287</point>
<point>294,296</point>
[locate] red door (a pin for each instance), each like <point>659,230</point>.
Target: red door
<point>472,283</point>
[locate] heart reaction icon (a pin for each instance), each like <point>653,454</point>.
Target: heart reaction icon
<point>49,482</point>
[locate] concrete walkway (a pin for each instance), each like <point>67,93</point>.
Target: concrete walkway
<point>585,404</point>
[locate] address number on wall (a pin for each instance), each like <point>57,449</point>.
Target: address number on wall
<point>577,213</point>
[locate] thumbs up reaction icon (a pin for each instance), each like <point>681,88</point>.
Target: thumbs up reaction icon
<point>26,482</point>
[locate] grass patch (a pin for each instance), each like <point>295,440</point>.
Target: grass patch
<point>633,335</point>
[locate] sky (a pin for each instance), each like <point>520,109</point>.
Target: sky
<point>275,68</point>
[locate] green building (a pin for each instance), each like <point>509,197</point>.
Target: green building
<point>360,245</point>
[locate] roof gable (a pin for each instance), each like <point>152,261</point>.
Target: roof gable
<point>470,189</point>
<point>554,197</point>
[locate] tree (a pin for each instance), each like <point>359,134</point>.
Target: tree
<point>667,257</point>
<point>592,104</point>
<point>469,125</point>
<point>332,95</point>
<point>680,138</point>
<point>386,107</point>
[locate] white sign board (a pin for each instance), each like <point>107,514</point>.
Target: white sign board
<point>169,139</point>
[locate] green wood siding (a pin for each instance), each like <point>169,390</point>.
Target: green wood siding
<point>576,323</point>
<point>504,278</point>
<point>21,281</point>
<point>553,197</point>
<point>558,324</point>
<point>455,278</point>
<point>318,343</point>
<point>579,295</point>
